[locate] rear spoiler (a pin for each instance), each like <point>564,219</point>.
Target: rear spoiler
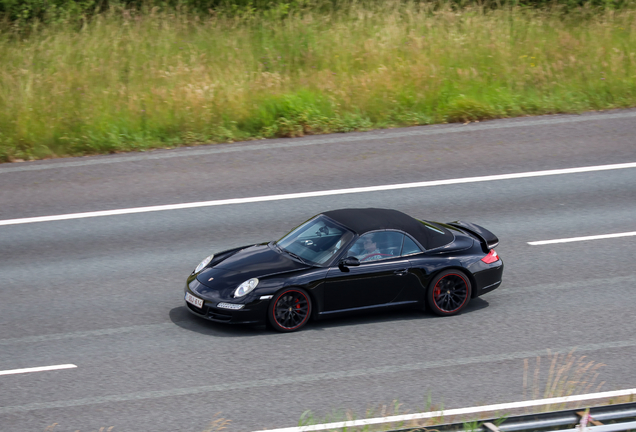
<point>488,239</point>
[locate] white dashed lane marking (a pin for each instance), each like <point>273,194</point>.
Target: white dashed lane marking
<point>37,369</point>
<point>578,239</point>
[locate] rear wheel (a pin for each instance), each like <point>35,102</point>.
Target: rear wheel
<point>289,310</point>
<point>449,293</point>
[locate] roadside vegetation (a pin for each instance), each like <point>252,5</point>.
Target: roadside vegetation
<point>566,375</point>
<point>127,79</point>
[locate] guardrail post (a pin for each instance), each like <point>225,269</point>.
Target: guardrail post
<point>491,427</point>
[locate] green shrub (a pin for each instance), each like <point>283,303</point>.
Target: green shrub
<point>125,82</point>
<point>23,12</point>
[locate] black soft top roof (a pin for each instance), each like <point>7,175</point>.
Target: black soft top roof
<point>372,219</point>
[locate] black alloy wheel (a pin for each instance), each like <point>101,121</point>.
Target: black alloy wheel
<point>449,293</point>
<point>289,310</point>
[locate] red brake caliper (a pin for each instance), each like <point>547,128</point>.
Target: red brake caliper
<point>297,305</point>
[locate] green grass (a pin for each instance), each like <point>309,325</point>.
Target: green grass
<point>129,81</point>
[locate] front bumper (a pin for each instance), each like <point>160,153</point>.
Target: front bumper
<point>254,312</point>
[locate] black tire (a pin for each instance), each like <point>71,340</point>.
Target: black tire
<point>289,310</point>
<point>448,293</point>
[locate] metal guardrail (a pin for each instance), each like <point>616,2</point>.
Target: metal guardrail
<point>607,428</point>
<point>548,421</point>
<point>620,417</point>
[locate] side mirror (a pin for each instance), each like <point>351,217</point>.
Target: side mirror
<point>349,262</point>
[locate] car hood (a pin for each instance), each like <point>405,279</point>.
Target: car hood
<point>255,261</point>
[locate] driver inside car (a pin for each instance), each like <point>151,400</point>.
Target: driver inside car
<point>370,250</point>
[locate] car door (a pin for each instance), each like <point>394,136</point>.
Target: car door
<point>378,280</point>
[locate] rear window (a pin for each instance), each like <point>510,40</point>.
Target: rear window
<point>433,228</point>
<point>437,235</point>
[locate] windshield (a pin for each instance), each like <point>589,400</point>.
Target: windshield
<point>316,241</point>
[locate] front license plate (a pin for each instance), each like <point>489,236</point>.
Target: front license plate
<point>193,300</point>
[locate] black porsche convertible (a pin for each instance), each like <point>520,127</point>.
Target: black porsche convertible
<point>346,261</point>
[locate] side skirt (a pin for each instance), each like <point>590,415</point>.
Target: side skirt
<point>365,308</point>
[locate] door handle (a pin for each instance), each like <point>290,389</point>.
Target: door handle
<point>401,272</point>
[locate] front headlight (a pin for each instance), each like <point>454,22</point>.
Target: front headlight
<point>246,287</point>
<point>203,263</point>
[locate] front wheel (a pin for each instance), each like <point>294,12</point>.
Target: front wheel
<point>289,310</point>
<point>448,293</point>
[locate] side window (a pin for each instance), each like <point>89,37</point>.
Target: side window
<point>377,246</point>
<point>410,247</point>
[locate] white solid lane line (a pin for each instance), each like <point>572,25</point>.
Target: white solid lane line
<point>455,412</point>
<point>302,142</point>
<point>577,239</point>
<point>37,369</point>
<point>317,194</point>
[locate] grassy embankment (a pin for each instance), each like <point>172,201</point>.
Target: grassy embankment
<point>139,81</point>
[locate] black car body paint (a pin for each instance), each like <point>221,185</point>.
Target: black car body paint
<point>336,289</point>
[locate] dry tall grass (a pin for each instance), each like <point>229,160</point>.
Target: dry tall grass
<point>568,374</point>
<point>129,81</point>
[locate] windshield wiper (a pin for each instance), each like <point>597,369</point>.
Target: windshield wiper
<point>293,255</point>
<point>296,256</point>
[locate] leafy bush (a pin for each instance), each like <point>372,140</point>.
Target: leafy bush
<point>49,11</point>
<point>126,81</point>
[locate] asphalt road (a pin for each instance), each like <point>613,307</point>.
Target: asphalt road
<point>105,293</point>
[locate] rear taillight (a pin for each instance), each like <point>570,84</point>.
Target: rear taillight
<point>491,257</point>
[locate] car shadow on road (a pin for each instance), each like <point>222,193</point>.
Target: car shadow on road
<point>184,319</point>
<point>181,317</point>
<point>387,316</point>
